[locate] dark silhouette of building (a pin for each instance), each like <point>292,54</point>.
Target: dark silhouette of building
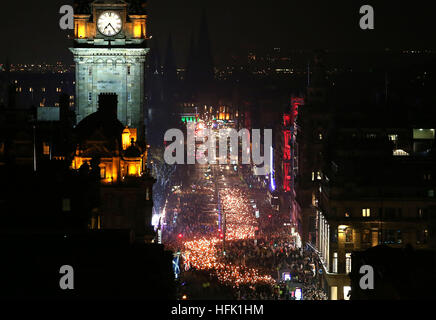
<point>399,273</point>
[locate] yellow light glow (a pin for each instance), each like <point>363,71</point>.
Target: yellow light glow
<point>133,170</point>
<point>342,227</point>
<point>81,32</point>
<point>126,138</point>
<point>137,30</point>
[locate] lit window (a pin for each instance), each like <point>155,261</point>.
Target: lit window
<point>424,134</point>
<point>30,89</point>
<point>348,235</point>
<point>66,205</point>
<point>45,148</point>
<point>103,172</point>
<point>313,176</point>
<point>431,193</point>
<point>347,291</point>
<point>319,175</point>
<point>366,236</point>
<point>347,214</point>
<point>335,262</point>
<point>43,89</point>
<point>366,212</point>
<point>400,152</point>
<point>393,137</point>
<point>347,262</point>
<point>320,136</point>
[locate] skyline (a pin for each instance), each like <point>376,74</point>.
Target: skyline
<point>234,27</point>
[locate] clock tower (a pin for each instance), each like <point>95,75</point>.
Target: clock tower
<point>109,52</point>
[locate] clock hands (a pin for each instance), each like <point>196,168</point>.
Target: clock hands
<point>112,27</point>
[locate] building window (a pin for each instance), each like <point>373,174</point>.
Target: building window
<point>349,235</point>
<point>319,175</point>
<point>366,236</point>
<point>320,136</point>
<point>422,213</point>
<point>43,89</point>
<point>400,152</point>
<point>129,96</point>
<point>46,149</point>
<point>347,213</point>
<point>424,134</point>
<point>366,212</point>
<point>334,236</point>
<point>30,89</point>
<point>422,236</point>
<point>347,262</point>
<point>103,172</point>
<point>335,262</point>
<point>66,205</point>
<point>90,71</point>
<point>393,137</point>
<point>389,213</point>
<point>347,292</point>
<point>389,237</point>
<point>313,176</point>
<point>430,193</point>
<point>427,176</point>
<point>399,237</point>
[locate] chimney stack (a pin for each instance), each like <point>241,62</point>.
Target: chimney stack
<point>108,104</point>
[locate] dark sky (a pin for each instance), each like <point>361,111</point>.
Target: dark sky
<point>30,31</point>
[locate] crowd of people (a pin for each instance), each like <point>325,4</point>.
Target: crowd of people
<point>241,254</point>
<point>276,257</point>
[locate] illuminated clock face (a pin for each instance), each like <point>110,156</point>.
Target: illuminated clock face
<point>109,23</point>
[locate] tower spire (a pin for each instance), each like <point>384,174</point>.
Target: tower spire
<point>169,70</point>
<point>205,61</point>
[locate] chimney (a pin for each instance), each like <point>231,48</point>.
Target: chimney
<point>107,104</point>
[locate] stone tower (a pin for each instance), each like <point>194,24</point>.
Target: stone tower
<point>109,52</point>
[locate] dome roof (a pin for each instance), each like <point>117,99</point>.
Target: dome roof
<point>133,151</point>
<point>110,127</point>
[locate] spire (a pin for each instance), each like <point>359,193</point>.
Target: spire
<point>154,60</point>
<point>191,72</point>
<point>205,61</point>
<point>169,70</point>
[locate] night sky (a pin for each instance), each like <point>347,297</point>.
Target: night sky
<point>30,31</point>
